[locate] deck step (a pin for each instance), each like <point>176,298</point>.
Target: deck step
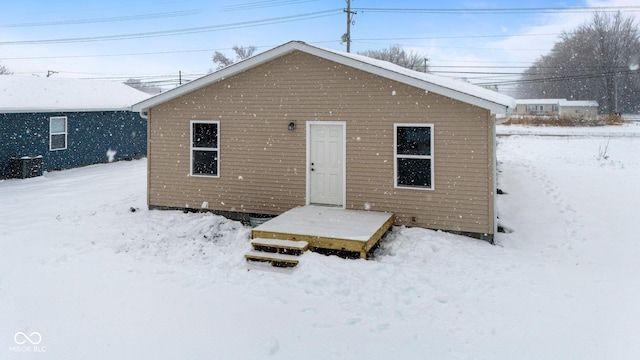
<point>279,260</point>
<point>288,247</point>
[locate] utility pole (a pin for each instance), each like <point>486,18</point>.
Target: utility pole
<point>615,91</point>
<point>347,37</point>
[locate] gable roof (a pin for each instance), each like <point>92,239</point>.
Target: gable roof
<point>22,94</point>
<point>465,92</point>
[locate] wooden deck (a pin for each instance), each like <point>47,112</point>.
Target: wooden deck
<point>328,228</point>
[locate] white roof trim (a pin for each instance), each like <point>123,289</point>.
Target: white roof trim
<point>61,110</point>
<point>468,93</point>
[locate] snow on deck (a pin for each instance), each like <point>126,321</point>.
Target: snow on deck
<point>327,222</point>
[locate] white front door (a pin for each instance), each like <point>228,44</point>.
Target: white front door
<point>326,163</point>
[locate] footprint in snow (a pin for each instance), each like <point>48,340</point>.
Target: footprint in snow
<point>280,301</point>
<point>272,346</point>
<point>381,327</point>
<point>353,321</point>
<point>321,325</point>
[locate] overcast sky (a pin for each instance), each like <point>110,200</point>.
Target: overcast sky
<point>155,39</point>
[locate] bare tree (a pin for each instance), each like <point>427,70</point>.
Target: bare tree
<point>241,52</point>
<point>597,61</point>
<point>397,55</point>
<point>142,86</point>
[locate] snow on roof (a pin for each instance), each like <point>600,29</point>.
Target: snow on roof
<point>579,103</point>
<point>538,101</point>
<point>495,102</point>
<point>50,94</point>
<point>561,102</point>
<point>444,82</point>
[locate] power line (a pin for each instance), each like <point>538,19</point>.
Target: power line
<point>574,77</point>
<point>106,19</point>
<point>116,55</point>
<point>270,21</point>
<point>457,37</point>
<point>270,46</point>
<point>263,4</point>
<point>492,11</point>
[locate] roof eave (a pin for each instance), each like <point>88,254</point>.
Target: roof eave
<point>493,107</point>
<point>61,110</point>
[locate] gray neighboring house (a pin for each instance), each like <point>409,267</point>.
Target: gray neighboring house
<point>57,123</point>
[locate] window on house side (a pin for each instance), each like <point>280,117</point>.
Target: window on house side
<point>205,148</point>
<point>57,133</point>
<point>413,155</point>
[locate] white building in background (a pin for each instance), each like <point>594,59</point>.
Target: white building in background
<point>587,109</point>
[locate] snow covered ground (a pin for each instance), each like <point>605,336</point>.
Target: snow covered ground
<point>630,129</point>
<point>86,272</point>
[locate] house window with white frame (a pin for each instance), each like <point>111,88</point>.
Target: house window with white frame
<point>413,156</point>
<point>205,148</point>
<point>57,133</point>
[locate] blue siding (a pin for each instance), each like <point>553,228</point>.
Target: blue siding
<point>89,136</point>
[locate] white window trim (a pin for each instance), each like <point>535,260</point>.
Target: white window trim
<point>65,133</point>
<point>395,157</point>
<point>191,148</point>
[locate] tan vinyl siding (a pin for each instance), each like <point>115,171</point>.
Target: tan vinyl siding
<point>263,165</point>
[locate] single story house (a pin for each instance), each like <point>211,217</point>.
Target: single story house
<point>581,109</point>
<point>557,107</point>
<point>68,122</point>
<point>301,124</point>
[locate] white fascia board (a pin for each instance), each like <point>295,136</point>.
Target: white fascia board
<point>494,107</point>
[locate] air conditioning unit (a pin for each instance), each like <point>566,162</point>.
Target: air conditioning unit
<point>26,166</point>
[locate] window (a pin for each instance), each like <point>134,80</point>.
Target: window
<point>532,108</point>
<point>57,133</point>
<point>413,155</point>
<point>205,148</point>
